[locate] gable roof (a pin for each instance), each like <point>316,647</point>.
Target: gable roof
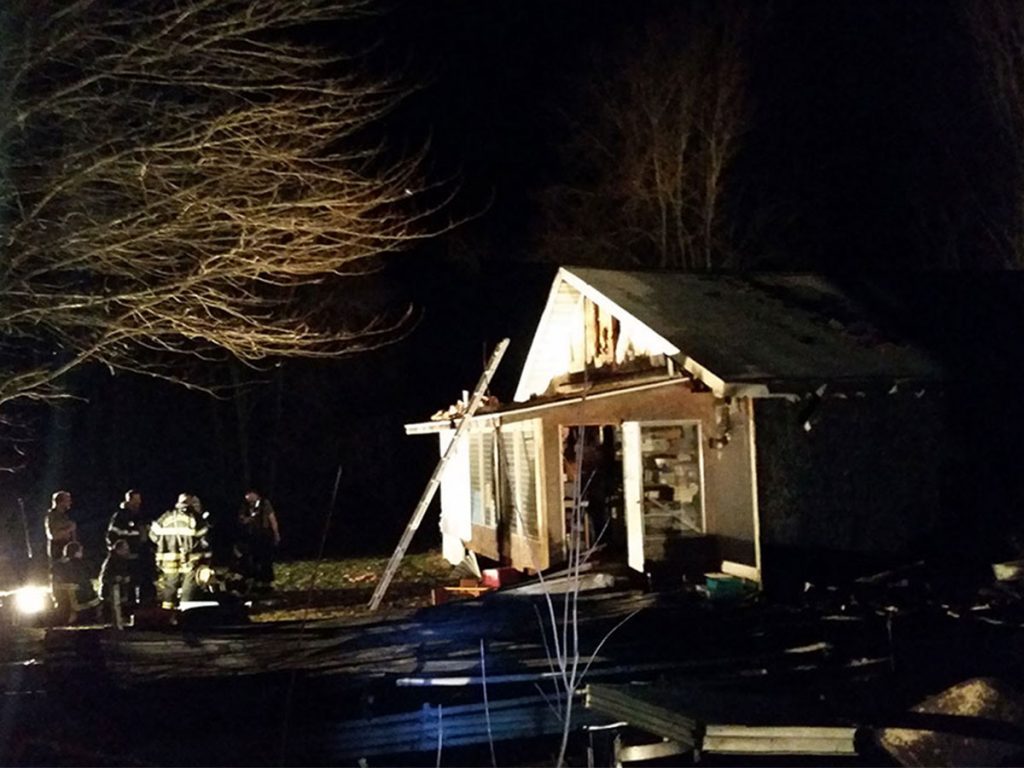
<point>753,334</point>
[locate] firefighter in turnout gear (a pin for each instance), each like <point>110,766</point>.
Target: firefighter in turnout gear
<point>128,525</point>
<point>180,538</point>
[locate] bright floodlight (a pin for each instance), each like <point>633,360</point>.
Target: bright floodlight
<point>31,600</point>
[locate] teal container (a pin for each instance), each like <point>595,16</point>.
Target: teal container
<point>724,586</point>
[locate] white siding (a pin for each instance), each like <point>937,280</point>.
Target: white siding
<point>558,345</point>
<point>455,495</point>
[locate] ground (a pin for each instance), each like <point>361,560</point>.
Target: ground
<point>376,687</point>
<point>331,588</point>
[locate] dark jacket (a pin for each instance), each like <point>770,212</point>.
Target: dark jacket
<point>115,570</point>
<point>127,525</point>
<point>255,520</point>
<point>72,577</point>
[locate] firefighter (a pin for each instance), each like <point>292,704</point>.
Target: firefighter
<point>128,525</point>
<point>180,538</point>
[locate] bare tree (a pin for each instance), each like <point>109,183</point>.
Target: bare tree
<point>194,179</point>
<point>996,30</point>
<point>649,159</point>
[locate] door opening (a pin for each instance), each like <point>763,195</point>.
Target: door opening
<point>593,489</point>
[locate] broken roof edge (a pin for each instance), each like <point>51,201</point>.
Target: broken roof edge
<point>755,387</point>
<point>540,403</point>
<point>798,390</point>
<point>716,384</point>
<point>567,276</point>
<point>785,390</point>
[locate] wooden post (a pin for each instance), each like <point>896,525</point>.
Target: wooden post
<point>435,478</point>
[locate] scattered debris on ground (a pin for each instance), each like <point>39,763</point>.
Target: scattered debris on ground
<point>892,667</point>
<point>976,722</point>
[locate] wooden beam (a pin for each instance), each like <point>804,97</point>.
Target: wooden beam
<point>779,740</point>
<point>641,752</point>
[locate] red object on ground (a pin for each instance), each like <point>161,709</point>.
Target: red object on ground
<point>500,577</point>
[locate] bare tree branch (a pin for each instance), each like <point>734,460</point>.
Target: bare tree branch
<point>191,179</point>
<point>996,29</point>
<point>649,162</point>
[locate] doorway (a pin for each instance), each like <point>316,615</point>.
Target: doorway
<point>593,496</point>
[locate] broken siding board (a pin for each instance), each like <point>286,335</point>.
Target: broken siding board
<point>618,702</point>
<point>485,541</point>
<point>780,740</point>
<point>565,584</point>
<point>642,752</point>
<point>444,642</point>
<point>690,730</point>
<point>747,712</point>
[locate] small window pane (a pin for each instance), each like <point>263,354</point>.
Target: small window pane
<point>672,483</point>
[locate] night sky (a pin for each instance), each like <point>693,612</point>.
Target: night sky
<point>866,115</point>
<point>867,129</point>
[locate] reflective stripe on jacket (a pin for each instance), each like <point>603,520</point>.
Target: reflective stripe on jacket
<point>178,536</point>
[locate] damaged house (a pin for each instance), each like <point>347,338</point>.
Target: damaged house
<point>758,425</point>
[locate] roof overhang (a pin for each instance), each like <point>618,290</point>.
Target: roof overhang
<point>518,409</point>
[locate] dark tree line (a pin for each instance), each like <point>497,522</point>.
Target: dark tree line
<point>839,136</point>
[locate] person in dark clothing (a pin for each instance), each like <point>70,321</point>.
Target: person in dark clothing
<point>116,581</point>
<point>72,585</point>
<point>127,524</point>
<point>594,451</point>
<point>180,538</point>
<point>260,536</point>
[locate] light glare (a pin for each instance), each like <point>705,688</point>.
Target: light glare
<point>31,600</point>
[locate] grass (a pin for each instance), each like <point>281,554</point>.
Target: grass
<point>342,588</point>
